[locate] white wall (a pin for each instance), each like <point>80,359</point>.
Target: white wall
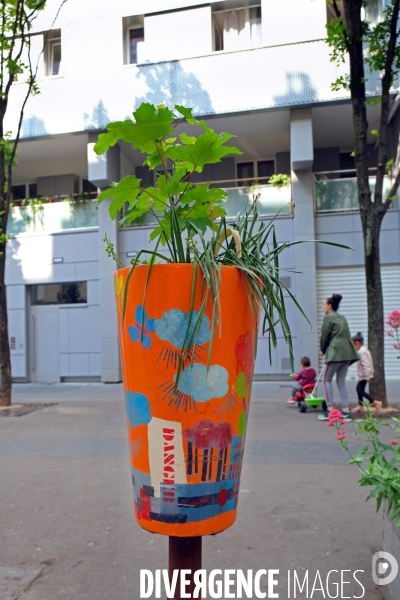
<point>90,11</point>
<point>30,261</point>
<point>290,21</point>
<point>178,34</point>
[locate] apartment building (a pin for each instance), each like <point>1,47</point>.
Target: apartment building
<point>259,69</point>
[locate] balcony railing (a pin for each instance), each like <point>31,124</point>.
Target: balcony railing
<point>270,201</point>
<point>334,193</point>
<point>51,216</point>
<point>217,83</point>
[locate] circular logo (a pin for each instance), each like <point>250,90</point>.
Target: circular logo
<point>384,568</point>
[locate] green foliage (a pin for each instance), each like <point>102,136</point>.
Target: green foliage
<point>3,236</point>
<point>279,180</point>
<point>378,462</point>
<point>341,83</point>
<point>337,39</point>
<point>376,37</point>
<point>6,148</point>
<point>16,18</point>
<point>177,204</point>
<point>185,212</point>
<point>373,101</point>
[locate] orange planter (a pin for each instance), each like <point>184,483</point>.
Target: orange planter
<point>186,448</point>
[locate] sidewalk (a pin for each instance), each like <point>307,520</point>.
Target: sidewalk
<point>67,522</point>
<point>262,390</point>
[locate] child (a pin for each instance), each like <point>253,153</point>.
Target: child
<point>365,372</point>
<point>306,376</point>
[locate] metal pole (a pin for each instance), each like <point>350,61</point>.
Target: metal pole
<point>184,553</point>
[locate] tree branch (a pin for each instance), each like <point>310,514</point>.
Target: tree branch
<point>392,193</point>
<point>385,107</point>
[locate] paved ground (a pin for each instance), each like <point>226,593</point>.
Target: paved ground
<point>67,526</point>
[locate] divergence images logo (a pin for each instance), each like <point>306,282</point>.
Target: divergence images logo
<point>380,570</point>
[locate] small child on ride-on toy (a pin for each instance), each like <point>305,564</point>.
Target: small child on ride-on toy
<point>305,378</point>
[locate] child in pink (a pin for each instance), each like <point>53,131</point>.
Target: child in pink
<point>306,376</point>
<point>365,372</point>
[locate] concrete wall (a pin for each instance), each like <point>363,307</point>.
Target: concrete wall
<point>178,34</point>
<point>290,21</point>
<point>29,262</point>
<point>346,229</point>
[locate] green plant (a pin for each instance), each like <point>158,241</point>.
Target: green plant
<point>378,462</point>
<point>279,180</point>
<point>186,213</point>
<point>36,209</point>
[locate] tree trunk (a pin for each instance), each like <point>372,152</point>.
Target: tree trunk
<point>371,219</point>
<point>5,358</point>
<point>375,306</point>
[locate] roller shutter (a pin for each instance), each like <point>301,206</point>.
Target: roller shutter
<point>350,283</point>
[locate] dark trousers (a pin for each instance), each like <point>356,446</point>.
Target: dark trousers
<point>361,385</point>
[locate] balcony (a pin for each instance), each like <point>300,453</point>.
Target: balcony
<point>52,216</point>
<point>270,200</point>
<point>333,193</point>
<point>218,83</point>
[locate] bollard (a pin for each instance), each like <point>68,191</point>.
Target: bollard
<point>184,553</point>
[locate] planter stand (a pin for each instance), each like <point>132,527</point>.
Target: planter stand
<point>184,553</point>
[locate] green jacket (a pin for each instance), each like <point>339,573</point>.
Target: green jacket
<point>336,342</point>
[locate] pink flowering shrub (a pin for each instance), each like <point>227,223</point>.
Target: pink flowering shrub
<point>335,416</point>
<point>393,321</point>
<point>378,462</point>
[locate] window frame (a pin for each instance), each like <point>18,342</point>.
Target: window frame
<point>255,169</point>
<point>61,284</point>
<point>54,39</point>
<point>128,42</point>
<point>218,31</point>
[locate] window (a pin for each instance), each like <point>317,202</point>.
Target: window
<point>237,29</point>
<point>88,187</point>
<point>133,39</point>
<point>18,192</point>
<point>255,26</point>
<point>265,168</point>
<point>59,293</point>
<point>373,11</point>
<point>33,190</point>
<point>252,172</point>
<point>245,173</point>
<point>52,52</point>
<point>135,42</point>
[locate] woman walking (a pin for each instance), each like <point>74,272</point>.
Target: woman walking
<point>338,348</point>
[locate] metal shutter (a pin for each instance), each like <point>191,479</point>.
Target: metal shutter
<point>350,283</point>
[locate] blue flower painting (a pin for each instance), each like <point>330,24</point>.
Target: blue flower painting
<point>172,327</point>
<point>135,331</point>
<point>137,408</point>
<point>201,385</point>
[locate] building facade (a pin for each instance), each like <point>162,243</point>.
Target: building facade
<point>259,69</point>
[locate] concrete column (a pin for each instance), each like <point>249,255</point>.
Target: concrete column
<point>102,171</point>
<point>301,151</point>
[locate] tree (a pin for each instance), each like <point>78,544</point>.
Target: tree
<point>370,47</point>
<point>16,18</point>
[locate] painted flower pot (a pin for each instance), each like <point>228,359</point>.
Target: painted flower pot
<point>186,444</point>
